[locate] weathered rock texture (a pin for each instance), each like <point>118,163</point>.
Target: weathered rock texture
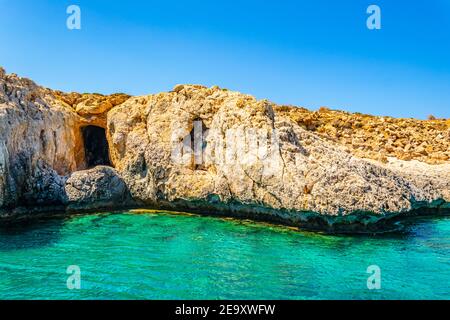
<point>378,137</point>
<point>100,187</point>
<point>325,169</point>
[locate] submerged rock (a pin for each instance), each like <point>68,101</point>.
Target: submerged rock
<point>219,152</point>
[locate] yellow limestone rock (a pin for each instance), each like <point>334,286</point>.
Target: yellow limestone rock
<point>256,159</point>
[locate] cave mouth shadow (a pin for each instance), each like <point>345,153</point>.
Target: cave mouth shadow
<point>96,148</point>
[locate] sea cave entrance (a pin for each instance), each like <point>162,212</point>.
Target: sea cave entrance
<point>96,147</point>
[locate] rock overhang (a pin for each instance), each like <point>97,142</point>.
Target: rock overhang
<point>313,157</point>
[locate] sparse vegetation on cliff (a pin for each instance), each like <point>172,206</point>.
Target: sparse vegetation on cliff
<point>377,138</point>
<point>330,169</point>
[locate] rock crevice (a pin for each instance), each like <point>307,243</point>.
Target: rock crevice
<point>255,159</point>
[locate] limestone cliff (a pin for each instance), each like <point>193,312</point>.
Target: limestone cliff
<point>326,169</point>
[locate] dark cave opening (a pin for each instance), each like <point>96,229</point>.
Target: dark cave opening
<point>198,143</point>
<point>96,147</point>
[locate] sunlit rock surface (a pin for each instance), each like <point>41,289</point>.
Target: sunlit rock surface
<point>256,159</point>
<point>100,187</point>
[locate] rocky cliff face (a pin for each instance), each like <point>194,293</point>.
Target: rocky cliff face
<point>220,152</point>
<point>40,144</point>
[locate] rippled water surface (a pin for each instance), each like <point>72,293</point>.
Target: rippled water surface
<point>164,256</point>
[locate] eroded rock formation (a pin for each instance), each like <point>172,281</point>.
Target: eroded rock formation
<point>97,188</point>
<point>326,169</point>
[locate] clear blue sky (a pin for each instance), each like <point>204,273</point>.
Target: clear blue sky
<point>306,53</point>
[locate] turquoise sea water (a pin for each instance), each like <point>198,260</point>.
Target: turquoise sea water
<point>164,256</point>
